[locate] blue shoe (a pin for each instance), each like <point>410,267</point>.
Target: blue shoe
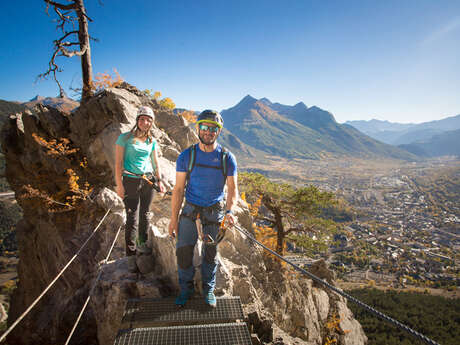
<point>210,299</point>
<point>183,297</point>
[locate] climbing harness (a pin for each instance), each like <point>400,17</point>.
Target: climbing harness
<point>192,162</point>
<point>150,179</point>
<point>340,292</point>
<point>196,216</point>
<point>222,230</point>
<point>208,241</point>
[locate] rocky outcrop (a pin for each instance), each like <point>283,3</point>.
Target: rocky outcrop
<point>60,166</point>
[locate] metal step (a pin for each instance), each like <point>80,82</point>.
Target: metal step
<point>218,334</point>
<point>149,312</point>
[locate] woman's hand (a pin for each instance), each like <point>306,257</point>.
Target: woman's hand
<point>120,191</point>
<point>162,187</point>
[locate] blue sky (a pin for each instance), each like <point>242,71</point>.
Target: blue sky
<point>391,60</point>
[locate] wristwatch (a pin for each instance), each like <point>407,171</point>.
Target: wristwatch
<point>228,212</point>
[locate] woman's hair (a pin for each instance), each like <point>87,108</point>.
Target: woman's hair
<point>135,131</point>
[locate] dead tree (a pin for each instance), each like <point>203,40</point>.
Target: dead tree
<point>69,15</point>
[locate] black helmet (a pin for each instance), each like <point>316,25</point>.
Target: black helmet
<point>210,116</point>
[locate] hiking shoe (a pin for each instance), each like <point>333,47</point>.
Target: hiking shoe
<point>142,248</point>
<point>210,299</point>
<point>183,297</point>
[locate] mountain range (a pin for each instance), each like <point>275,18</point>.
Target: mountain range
<point>8,108</point>
<point>258,126</point>
<point>434,138</point>
<point>64,104</point>
<point>255,128</point>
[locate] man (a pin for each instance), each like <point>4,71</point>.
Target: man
<point>202,171</point>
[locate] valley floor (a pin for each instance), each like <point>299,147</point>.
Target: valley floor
<point>350,286</point>
<point>404,230</point>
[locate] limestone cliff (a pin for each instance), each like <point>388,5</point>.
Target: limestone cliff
<point>60,167</point>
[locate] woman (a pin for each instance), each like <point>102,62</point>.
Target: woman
<point>135,158</point>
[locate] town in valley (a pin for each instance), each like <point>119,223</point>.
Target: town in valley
<point>402,226</point>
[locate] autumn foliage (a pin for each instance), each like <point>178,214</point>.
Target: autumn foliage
<point>332,327</point>
<point>66,192</point>
<point>189,115</point>
<point>165,102</point>
<point>264,234</point>
<point>105,80</point>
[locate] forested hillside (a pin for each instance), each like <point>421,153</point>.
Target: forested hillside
<point>299,132</point>
<point>433,316</point>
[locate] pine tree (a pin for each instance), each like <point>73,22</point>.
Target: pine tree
<point>288,210</point>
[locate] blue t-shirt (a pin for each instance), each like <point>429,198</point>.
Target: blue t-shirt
<point>206,185</point>
<point>137,157</point>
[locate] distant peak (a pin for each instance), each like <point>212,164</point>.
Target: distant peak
<point>300,105</point>
<point>247,100</point>
<point>37,98</point>
<point>378,121</point>
<point>265,101</point>
<point>314,108</point>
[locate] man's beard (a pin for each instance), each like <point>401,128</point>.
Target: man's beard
<point>210,141</point>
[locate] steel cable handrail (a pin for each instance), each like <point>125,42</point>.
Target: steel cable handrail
<point>340,292</point>
<point>104,262</point>
<point>19,319</point>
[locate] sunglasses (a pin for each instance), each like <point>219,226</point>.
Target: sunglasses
<point>209,128</point>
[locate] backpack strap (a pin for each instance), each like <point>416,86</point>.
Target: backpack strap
<point>224,166</point>
<point>191,160</point>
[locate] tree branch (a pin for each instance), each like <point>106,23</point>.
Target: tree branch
<point>71,6</point>
<point>53,68</point>
<point>61,90</point>
<point>70,53</point>
<point>87,17</point>
<point>299,230</point>
<point>272,221</point>
<point>67,34</point>
<point>60,46</point>
<point>64,17</point>
<point>68,44</point>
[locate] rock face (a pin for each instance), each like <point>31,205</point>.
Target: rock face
<point>61,168</point>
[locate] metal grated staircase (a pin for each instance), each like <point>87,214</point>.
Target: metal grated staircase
<point>149,321</point>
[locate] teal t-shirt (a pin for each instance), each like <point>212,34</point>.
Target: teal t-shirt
<point>137,157</point>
